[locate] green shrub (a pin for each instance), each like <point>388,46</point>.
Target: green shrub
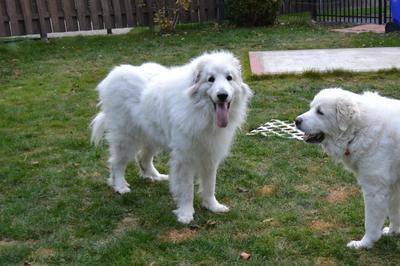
<point>252,12</point>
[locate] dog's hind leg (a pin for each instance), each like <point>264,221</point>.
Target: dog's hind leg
<point>121,153</point>
<point>144,159</point>
<point>394,211</point>
<point>376,200</point>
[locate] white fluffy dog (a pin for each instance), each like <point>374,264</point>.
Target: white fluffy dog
<point>362,132</point>
<point>192,111</point>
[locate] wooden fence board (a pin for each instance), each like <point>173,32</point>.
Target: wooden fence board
<point>70,15</point>
<point>129,13</point>
<point>27,14</point>
<point>13,17</point>
<point>194,11</point>
<point>4,26</point>
<point>83,18</point>
<point>210,10</point>
<point>117,13</point>
<point>202,11</point>
<point>150,14</point>
<point>220,10</point>
<point>139,12</point>
<point>134,12</point>
<point>56,15</point>
<point>106,14</point>
<point>95,14</point>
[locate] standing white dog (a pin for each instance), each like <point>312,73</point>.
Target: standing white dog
<point>192,111</point>
<point>362,132</point>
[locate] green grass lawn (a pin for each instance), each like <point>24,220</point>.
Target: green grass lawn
<point>290,204</point>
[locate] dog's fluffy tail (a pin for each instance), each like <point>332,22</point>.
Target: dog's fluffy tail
<point>98,128</point>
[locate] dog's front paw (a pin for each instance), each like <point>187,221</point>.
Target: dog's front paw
<point>184,216</point>
<point>160,177</point>
<point>215,206</point>
<point>387,231</point>
<point>122,190</point>
<point>121,187</point>
<point>359,244</point>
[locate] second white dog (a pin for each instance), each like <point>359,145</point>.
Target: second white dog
<point>362,132</point>
<point>192,111</point>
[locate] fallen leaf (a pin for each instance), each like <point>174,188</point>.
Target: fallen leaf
<point>242,190</point>
<point>245,256</point>
<point>211,223</point>
<point>268,220</point>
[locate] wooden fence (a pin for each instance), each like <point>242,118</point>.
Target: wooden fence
<point>22,17</point>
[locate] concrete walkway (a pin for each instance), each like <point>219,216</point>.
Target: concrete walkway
<point>322,60</point>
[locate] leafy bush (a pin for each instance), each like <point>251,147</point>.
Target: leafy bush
<point>167,18</point>
<point>252,12</point>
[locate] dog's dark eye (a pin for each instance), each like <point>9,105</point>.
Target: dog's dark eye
<point>319,112</point>
<point>229,77</point>
<point>211,79</point>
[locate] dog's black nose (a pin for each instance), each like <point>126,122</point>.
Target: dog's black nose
<point>222,96</point>
<point>298,121</point>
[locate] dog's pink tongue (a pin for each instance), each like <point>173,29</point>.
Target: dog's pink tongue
<point>222,114</point>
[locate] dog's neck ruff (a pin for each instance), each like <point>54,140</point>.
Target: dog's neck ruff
<point>347,151</point>
<point>339,147</point>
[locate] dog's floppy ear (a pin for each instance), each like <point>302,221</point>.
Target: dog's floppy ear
<point>246,89</point>
<point>196,81</point>
<point>346,112</point>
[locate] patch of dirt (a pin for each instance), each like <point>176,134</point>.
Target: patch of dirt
<point>266,190</point>
<point>303,188</point>
<point>325,261</point>
<point>341,195</point>
<point>313,169</point>
<point>44,252</point>
<point>320,225</point>
<point>8,243</point>
<point>129,222</point>
<point>178,236</point>
<point>35,151</point>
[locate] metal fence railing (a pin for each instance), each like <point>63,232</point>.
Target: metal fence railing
<point>342,11</point>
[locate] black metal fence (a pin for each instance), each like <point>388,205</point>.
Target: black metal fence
<point>342,11</point>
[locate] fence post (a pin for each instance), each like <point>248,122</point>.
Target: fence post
<point>41,10</point>
<point>106,16</point>
<point>380,11</point>
<point>384,11</point>
<point>313,9</point>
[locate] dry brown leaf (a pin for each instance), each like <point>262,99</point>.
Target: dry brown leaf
<point>245,256</point>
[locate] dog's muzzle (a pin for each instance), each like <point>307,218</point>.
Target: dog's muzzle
<point>314,138</point>
<point>308,137</point>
